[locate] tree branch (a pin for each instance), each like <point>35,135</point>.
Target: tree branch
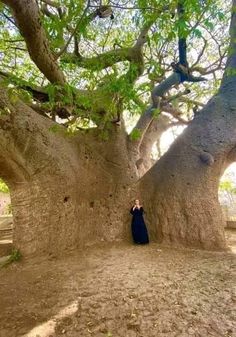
<point>84,20</point>
<point>38,94</point>
<point>136,68</point>
<point>26,14</point>
<point>200,54</point>
<point>46,11</point>
<point>156,95</point>
<point>231,156</point>
<point>230,68</point>
<point>10,20</point>
<point>101,61</point>
<point>51,3</point>
<point>107,59</point>
<point>175,112</point>
<point>181,74</point>
<point>191,101</point>
<point>92,104</point>
<point>153,134</point>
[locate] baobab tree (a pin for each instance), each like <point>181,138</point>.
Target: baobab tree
<point>69,73</point>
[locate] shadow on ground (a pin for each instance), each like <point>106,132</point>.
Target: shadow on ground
<point>121,291</point>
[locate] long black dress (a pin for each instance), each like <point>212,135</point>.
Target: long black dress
<point>138,227</point>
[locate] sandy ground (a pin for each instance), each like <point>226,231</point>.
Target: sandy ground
<point>121,291</point>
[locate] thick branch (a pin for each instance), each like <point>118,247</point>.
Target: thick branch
<point>181,74</point>
<point>38,94</point>
<point>231,156</point>
<point>230,68</point>
<point>156,95</point>
<point>27,16</point>
<point>107,59</point>
<point>175,112</point>
<point>91,104</point>
<point>154,132</point>
<point>136,68</point>
<point>191,101</point>
<point>101,61</point>
<point>153,135</point>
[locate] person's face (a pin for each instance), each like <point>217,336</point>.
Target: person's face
<point>136,202</point>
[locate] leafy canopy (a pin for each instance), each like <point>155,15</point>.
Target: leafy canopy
<point>101,80</point>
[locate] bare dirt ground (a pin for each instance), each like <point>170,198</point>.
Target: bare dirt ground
<point>121,290</point>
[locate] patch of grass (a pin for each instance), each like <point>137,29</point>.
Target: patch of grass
<point>15,256</point>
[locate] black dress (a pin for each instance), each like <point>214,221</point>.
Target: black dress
<point>138,227</point>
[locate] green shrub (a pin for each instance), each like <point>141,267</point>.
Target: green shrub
<point>3,187</point>
<point>15,256</point>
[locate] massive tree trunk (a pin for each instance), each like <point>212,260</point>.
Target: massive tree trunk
<point>69,191</point>
<point>66,191</point>
<point>181,190</point>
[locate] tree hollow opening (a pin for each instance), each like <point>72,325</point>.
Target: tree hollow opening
<point>227,199</point>
<point>6,220</point>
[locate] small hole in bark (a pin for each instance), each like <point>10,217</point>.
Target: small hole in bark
<point>223,115</point>
<point>86,157</point>
<point>66,199</point>
<point>172,175</point>
<point>188,183</point>
<point>91,204</point>
<point>110,195</point>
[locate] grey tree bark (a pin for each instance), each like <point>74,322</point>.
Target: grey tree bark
<point>71,191</point>
<point>65,191</point>
<point>182,188</point>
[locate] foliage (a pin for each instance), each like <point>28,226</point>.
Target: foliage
<point>135,134</point>
<point>3,187</point>
<point>15,256</point>
<point>227,186</point>
<point>204,23</point>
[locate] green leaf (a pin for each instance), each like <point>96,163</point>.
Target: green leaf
<point>156,112</point>
<point>3,187</point>
<point>55,128</point>
<point>135,134</point>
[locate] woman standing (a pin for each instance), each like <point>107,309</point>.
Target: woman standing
<point>138,227</point>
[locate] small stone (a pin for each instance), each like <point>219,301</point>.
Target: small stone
<point>191,331</point>
<point>193,312</point>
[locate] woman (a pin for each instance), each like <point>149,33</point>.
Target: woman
<point>139,229</point>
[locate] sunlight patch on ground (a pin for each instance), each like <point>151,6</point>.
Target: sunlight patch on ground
<point>48,328</point>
